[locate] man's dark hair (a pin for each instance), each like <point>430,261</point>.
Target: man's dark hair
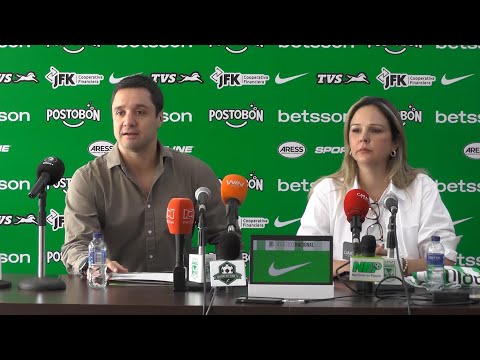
<point>142,81</point>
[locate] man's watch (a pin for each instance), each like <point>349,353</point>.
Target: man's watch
<point>83,267</point>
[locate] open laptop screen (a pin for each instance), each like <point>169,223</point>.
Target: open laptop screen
<point>291,259</point>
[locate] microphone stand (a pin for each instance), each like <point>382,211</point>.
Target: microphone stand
<point>202,243</point>
<point>42,283</point>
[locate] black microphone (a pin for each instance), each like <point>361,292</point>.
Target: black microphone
<point>49,172</point>
<point>202,195</point>
<point>391,204</point>
<point>368,245</point>
<point>228,247</point>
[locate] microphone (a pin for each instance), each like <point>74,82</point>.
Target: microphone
<point>180,219</point>
<point>234,190</point>
<point>49,172</point>
<point>202,195</point>
<point>356,205</point>
<point>391,203</point>
<point>366,267</point>
<point>228,247</point>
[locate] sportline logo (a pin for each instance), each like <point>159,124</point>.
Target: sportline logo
<point>272,271</point>
<point>176,78</point>
<point>472,151</point>
<point>447,82</point>
<point>292,150</point>
<point>236,118</point>
<point>279,80</point>
<point>235,49</point>
<point>66,116</point>
<point>5,148</point>
<point>57,78</point>
<point>73,49</point>
<point>389,79</point>
<point>395,49</point>
<point>341,78</point>
<point>223,79</point>
<point>412,114</point>
<point>186,149</point>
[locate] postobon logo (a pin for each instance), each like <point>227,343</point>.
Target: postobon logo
<point>236,118</point>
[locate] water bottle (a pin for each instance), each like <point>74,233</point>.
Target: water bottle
<point>435,267</point>
<point>97,262</point>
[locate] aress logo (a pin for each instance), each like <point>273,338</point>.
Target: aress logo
<point>472,151</point>
<point>99,148</point>
<point>292,150</point>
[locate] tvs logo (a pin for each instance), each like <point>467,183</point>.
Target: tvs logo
<point>10,219</point>
<point>472,151</point>
<point>176,78</point>
<point>340,78</point>
<point>292,150</point>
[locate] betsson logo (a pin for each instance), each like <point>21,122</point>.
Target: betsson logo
<point>460,186</point>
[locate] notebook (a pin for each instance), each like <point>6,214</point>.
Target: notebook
<point>291,266</point>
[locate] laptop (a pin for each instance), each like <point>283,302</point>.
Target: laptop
<point>291,266</point>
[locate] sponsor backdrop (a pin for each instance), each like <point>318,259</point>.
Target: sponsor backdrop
<point>272,113</point>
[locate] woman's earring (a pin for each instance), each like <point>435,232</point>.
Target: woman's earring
<point>350,153</point>
<point>393,153</point>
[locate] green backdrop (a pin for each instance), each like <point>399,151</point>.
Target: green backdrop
<point>237,107</point>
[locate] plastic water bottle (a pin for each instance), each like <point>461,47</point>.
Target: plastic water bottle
<point>435,267</point>
<point>97,262</point>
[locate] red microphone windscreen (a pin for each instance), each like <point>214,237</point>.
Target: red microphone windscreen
<point>234,187</point>
<point>180,216</point>
<point>356,203</point>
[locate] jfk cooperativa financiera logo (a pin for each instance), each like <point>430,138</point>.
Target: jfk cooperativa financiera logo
<point>223,79</point>
<point>57,78</point>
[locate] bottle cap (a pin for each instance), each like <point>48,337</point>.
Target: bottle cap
<point>97,235</point>
<point>435,238</point>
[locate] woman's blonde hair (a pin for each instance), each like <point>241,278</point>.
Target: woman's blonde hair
<point>399,172</point>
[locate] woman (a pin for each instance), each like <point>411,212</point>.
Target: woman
<point>376,161</point>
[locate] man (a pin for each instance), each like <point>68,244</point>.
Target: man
<point>124,194</point>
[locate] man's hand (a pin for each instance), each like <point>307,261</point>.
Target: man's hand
<point>114,267</point>
<point>380,250</point>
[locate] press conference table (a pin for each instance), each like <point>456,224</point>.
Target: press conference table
<point>79,299</point>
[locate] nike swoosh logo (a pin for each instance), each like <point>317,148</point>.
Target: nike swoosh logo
<point>114,80</point>
<point>280,224</point>
<point>281,81</point>
<point>461,221</point>
<point>446,81</point>
<point>277,272</point>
